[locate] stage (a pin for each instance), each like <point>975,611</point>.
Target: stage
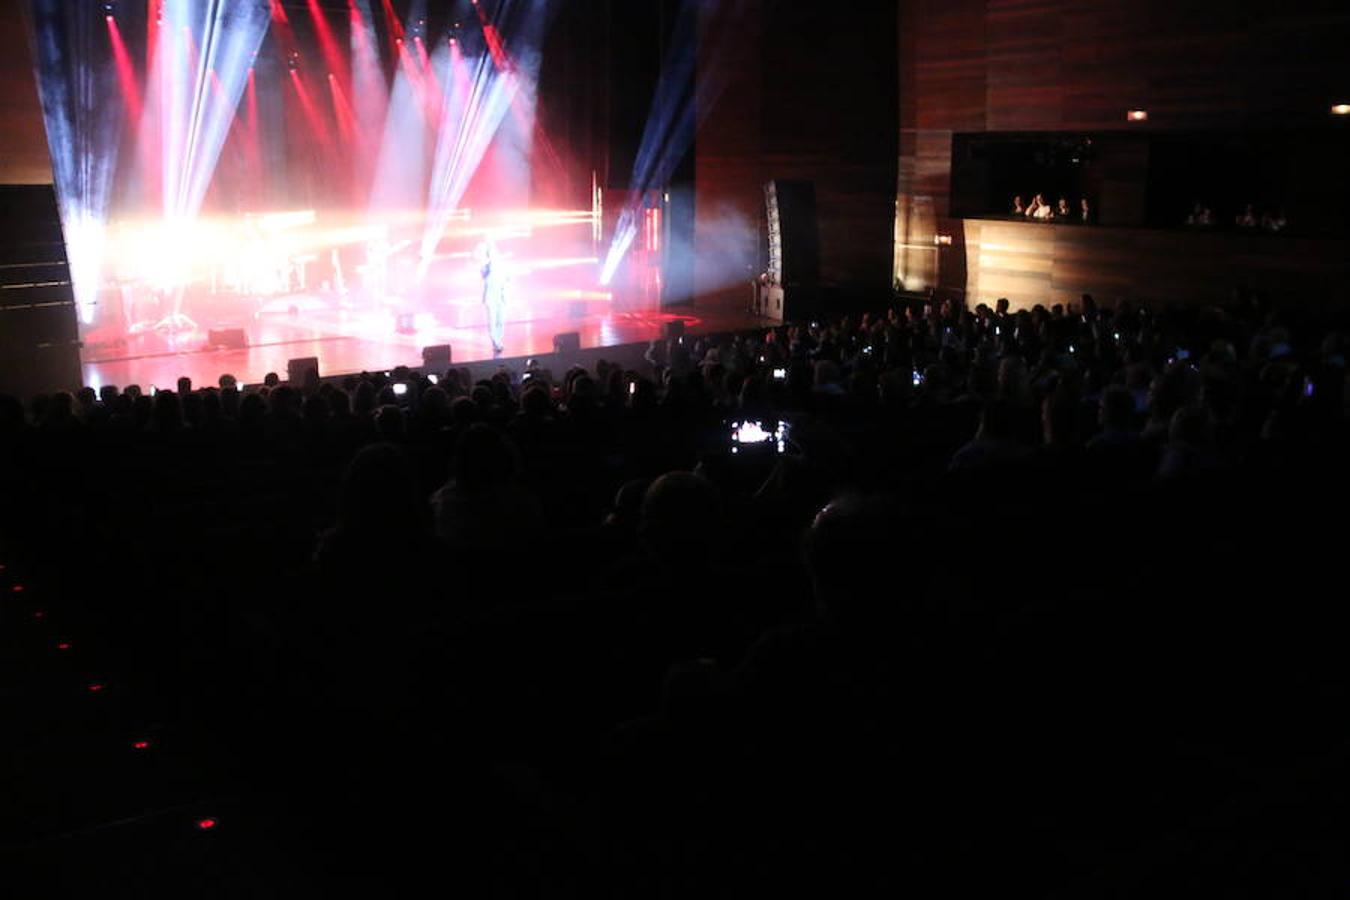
<point>346,183</point>
<point>349,341</point>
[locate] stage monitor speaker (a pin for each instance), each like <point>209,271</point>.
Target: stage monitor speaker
<point>437,357</point>
<point>567,342</point>
<point>233,338</point>
<point>674,329</point>
<point>39,325</point>
<point>297,369</point>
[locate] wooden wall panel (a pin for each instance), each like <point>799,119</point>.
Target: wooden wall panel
<point>728,203</point>
<point>812,97</point>
<point>1032,263</point>
<point>1077,65</point>
<point>24,157</point>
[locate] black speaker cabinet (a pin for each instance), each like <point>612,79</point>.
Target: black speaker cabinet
<point>437,356</point>
<point>296,369</point>
<point>39,323</point>
<point>567,342</point>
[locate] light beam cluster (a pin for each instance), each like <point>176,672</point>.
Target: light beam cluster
<point>693,75</point>
<point>155,114</point>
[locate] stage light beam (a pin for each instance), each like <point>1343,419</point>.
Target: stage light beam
<point>126,71</point>
<point>693,75</point>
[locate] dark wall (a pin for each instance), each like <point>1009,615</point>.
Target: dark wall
<point>810,95</point>
<point>572,107</point>
<point>1078,65</point>
<point>39,337</point>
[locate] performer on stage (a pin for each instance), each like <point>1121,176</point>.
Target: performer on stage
<point>493,270</point>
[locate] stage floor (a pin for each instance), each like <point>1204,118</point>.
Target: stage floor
<point>349,341</point>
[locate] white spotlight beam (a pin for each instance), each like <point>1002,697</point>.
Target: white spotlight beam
<point>206,90</point>
<point>471,123</point>
<point>83,122</point>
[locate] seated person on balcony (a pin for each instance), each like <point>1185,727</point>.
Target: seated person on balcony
<point>1274,221</point>
<point>1040,209</point>
<point>1200,215</point>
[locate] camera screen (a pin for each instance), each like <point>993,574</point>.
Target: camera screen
<point>400,389</point>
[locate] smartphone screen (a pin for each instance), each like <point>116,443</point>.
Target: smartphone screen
<point>757,433</point>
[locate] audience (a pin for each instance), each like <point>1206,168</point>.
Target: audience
<point>1042,210</point>
<point>951,596</point>
<point>1201,216</point>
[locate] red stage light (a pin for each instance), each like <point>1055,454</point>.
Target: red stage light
<point>126,70</point>
<point>141,745</point>
<point>39,615</point>
<point>206,824</point>
<point>95,688</point>
<point>18,589</point>
<point>64,645</point>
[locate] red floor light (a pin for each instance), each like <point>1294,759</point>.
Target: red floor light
<point>206,824</point>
